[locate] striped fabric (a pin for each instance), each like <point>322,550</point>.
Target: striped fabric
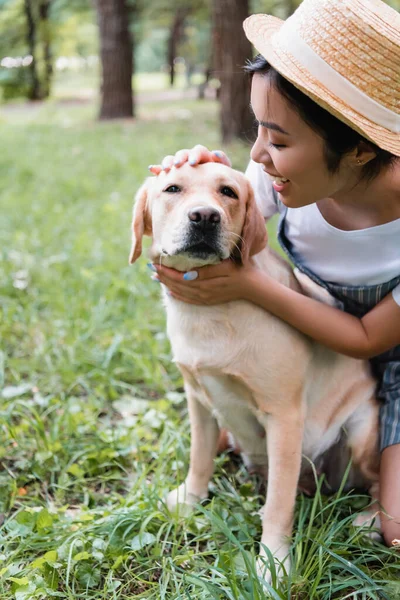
<point>358,300</point>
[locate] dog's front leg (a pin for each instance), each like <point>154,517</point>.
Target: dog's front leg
<point>284,442</point>
<point>204,440</point>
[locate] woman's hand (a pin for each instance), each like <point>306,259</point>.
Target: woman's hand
<point>209,285</point>
<point>195,156</point>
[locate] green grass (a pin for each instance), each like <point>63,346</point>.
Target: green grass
<point>93,424</point>
<point>84,84</point>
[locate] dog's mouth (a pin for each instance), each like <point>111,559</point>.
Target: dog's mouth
<point>201,250</point>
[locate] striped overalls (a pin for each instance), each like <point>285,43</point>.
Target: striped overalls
<point>358,300</point>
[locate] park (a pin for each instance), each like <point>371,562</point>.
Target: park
<point>93,418</point>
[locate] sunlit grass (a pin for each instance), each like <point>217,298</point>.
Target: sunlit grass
<point>93,422</point>
<point>84,84</point>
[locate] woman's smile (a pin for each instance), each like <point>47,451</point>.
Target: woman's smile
<point>278,183</point>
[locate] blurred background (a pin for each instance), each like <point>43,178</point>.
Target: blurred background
<point>115,55</point>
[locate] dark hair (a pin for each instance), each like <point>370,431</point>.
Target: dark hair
<point>339,138</point>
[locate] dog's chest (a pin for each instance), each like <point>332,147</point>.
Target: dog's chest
<point>210,337</point>
<point>241,340</point>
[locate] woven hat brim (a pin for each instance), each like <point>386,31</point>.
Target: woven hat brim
<point>260,29</point>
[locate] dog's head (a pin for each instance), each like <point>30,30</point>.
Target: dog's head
<point>197,216</point>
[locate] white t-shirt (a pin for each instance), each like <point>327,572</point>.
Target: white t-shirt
<point>355,258</point>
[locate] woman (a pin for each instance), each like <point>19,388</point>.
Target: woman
<point>326,96</point>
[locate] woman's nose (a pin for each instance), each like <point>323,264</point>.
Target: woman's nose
<point>259,153</point>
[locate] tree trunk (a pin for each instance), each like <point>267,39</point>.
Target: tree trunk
<point>39,45</point>
<point>175,36</point>
<point>231,51</point>
<point>116,52</point>
<point>34,92</point>
<point>44,8</point>
<point>201,92</point>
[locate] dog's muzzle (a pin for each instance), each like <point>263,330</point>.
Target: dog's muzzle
<point>202,239</point>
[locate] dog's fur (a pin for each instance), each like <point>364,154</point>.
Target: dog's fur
<point>278,392</point>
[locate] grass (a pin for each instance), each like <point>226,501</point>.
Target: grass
<point>85,83</point>
<point>93,422</point>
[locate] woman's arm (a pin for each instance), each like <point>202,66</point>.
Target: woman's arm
<point>376,332</point>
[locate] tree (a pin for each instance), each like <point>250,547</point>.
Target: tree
<point>231,51</point>
<point>180,18</point>
<point>39,44</point>
<point>32,27</point>
<point>116,53</point>
<point>175,36</point>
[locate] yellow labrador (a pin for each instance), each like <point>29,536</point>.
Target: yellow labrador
<point>278,392</point>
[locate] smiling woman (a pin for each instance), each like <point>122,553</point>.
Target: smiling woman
<point>338,137</point>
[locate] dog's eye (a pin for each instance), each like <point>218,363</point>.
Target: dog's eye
<point>227,191</point>
<point>172,189</point>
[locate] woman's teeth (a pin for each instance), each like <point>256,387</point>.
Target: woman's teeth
<point>280,180</point>
<point>277,180</point>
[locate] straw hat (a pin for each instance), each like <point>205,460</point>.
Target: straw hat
<point>345,55</point>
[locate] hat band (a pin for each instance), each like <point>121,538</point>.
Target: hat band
<point>289,39</point>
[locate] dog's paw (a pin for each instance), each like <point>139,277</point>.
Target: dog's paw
<point>281,563</point>
<point>181,501</point>
<point>370,524</point>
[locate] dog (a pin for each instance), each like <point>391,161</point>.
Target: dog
<point>279,393</point>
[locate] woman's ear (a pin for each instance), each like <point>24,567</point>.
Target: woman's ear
<point>362,155</point>
<point>254,232</point>
<point>141,223</point>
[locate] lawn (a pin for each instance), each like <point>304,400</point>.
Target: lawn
<point>93,423</point>
<point>85,84</point>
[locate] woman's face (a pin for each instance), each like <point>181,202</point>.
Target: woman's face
<point>291,152</point>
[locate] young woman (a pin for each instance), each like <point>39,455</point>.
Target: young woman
<point>326,97</point>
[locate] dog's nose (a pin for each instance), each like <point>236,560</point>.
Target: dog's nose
<point>204,216</point>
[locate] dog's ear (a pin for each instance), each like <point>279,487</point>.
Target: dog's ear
<point>141,223</point>
<point>254,232</point>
